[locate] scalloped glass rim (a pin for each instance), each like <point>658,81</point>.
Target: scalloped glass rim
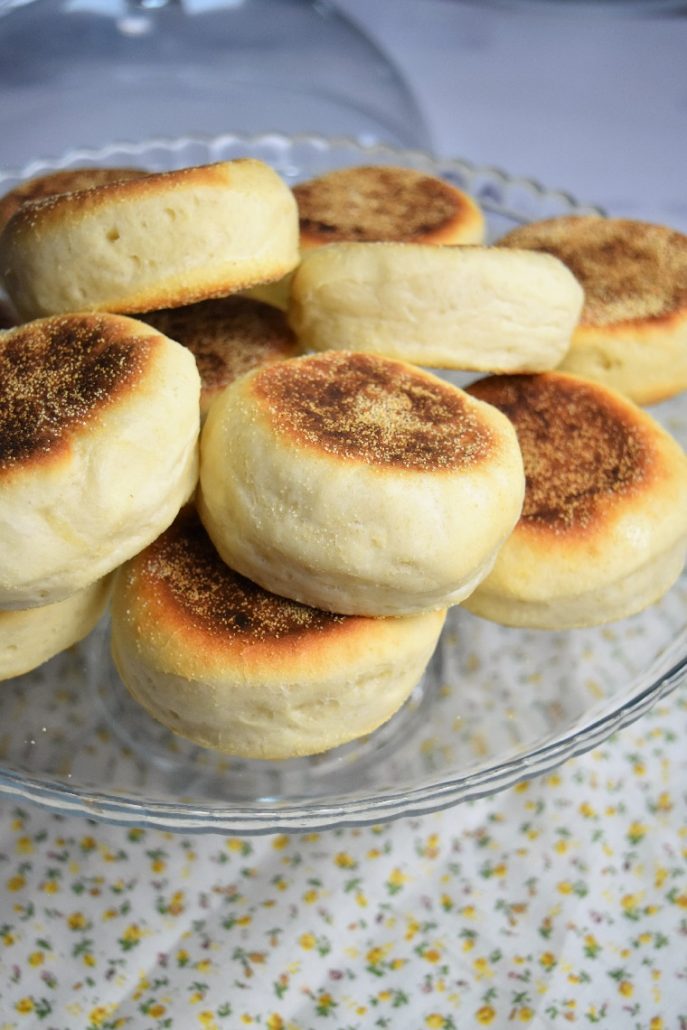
<point>499,194</point>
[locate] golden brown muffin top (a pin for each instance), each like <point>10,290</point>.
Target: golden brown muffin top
<point>227,337</point>
<point>67,180</point>
<point>377,202</point>
<point>630,271</point>
<point>582,446</point>
<point>56,375</point>
<point>374,410</point>
<point>182,571</point>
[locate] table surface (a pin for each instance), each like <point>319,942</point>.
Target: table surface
<point>563,901</point>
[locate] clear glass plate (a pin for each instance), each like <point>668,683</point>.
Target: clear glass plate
<point>496,705</point>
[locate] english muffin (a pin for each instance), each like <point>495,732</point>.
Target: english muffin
<point>470,308</point>
<point>357,484</point>
<point>227,337</point>
<point>99,422</point>
<point>32,636</point>
<point>65,180</point>
<point>603,532</point>
<point>230,666</point>
<point>161,241</point>
<point>632,334</point>
<point>373,203</point>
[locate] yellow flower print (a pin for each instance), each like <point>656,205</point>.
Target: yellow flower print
<point>207,1020</point>
<point>564,887</point>
<point>24,1005</point>
<point>432,955</point>
<point>76,921</point>
<point>485,1015</point>
<point>307,941</point>
<point>16,883</point>
<point>280,842</point>
<point>344,861</point>
<point>482,966</point>
<point>158,865</point>
<point>397,878</point>
<point>435,1021</point>
<point>636,832</point>
<point>89,960</point>
<point>525,1014</point>
<point>626,988</point>
<point>244,920</point>
<point>656,1023</point>
<point>310,896</point>
<point>99,1014</point>
<point>36,958</point>
<point>24,845</point>
<point>274,1022</point>
<point>157,1010</point>
<point>547,960</point>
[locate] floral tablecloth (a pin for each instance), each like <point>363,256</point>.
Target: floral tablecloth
<point>561,901</point>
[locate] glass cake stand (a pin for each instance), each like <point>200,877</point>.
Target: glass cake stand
<point>497,705</point>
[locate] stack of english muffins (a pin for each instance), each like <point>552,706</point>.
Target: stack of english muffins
<point>217,419</point>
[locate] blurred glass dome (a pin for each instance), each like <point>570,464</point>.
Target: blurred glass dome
<point>84,72</point>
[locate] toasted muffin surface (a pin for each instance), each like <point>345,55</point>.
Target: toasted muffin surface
<point>231,666</point>
<point>382,413</point>
<point>603,532</point>
<point>377,202</point>
<point>227,336</point>
<point>66,180</point>
<point>358,484</point>
<point>582,449</point>
<point>182,575</point>
<point>57,374</point>
<point>99,423</point>
<point>631,271</point>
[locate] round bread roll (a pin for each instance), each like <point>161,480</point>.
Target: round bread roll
<point>227,337</point>
<point>471,308</point>
<point>373,203</point>
<point>603,533</point>
<point>34,635</point>
<point>99,422</point>
<point>358,484</point>
<point>66,180</point>
<point>381,202</point>
<point>160,241</point>
<point>632,334</point>
<point>222,662</point>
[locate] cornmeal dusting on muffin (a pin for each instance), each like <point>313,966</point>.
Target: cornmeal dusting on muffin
<point>184,564</point>
<point>579,448</point>
<point>375,203</point>
<point>227,337</point>
<point>630,270</point>
<point>54,375</point>
<point>374,410</point>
